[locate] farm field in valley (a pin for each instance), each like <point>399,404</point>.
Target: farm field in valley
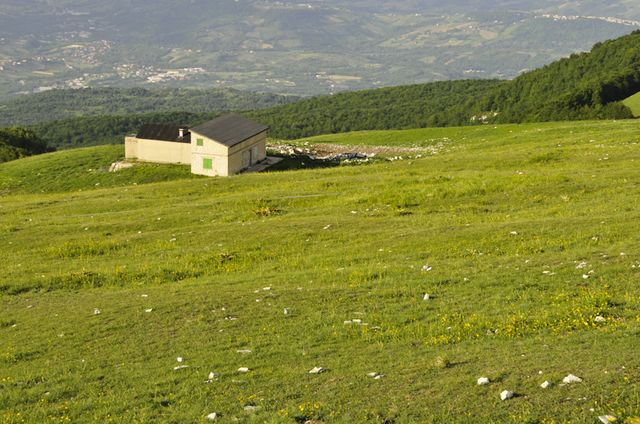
<point>525,237</point>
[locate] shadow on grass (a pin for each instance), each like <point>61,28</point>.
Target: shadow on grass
<point>295,162</point>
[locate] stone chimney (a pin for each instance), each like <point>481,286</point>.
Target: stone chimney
<point>180,132</point>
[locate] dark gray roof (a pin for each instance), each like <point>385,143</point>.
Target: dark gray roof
<point>164,132</point>
<point>230,129</point>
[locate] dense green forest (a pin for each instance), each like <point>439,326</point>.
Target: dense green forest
<point>96,130</point>
<point>583,86</point>
<point>415,106</point>
<point>19,142</point>
<point>61,104</point>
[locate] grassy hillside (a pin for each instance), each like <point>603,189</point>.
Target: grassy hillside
<point>524,236</point>
<point>633,103</point>
<point>81,169</point>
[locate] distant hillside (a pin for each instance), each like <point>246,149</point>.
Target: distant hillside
<point>416,106</point>
<point>62,104</point>
<point>583,86</point>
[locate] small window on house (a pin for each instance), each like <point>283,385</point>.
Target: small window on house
<point>207,163</point>
<point>199,142</point>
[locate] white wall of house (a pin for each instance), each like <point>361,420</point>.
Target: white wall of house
<point>224,161</point>
<point>247,153</point>
<point>157,151</point>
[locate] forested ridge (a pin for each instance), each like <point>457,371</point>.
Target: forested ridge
<point>583,86</point>
<point>19,142</point>
<point>63,104</point>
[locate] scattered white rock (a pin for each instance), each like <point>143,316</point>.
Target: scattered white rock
<point>148,310</point>
<point>606,419</point>
<point>514,233</point>
<point>212,416</point>
<point>327,227</point>
<point>426,268</point>
<point>581,265</point>
<point>180,359</point>
<point>180,367</point>
<point>348,322</point>
<point>243,351</point>
<point>357,321</point>
<point>243,369</point>
<point>585,276</point>
<point>506,394</point>
<point>546,385</point>
<point>571,379</point>
<point>375,375</point>
<point>96,311</point>
<point>251,408</point>
<point>212,375</point>
<point>600,319</point>
<point>426,296</point>
<point>287,311</point>
<point>483,381</point>
<point>144,295</point>
<point>317,370</point>
<point>266,288</point>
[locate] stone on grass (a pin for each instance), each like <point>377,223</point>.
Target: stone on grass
<point>483,381</point>
<point>180,367</point>
<point>506,394</point>
<point>212,416</point>
<point>287,311</point>
<point>606,419</point>
<point>243,351</point>
<point>243,369</point>
<point>251,408</point>
<point>148,310</point>
<point>213,375</point>
<point>426,268</point>
<point>96,311</point>
<point>571,379</point>
<point>546,385</point>
<point>600,319</point>
<point>426,296</point>
<point>180,359</point>
<point>317,370</point>
<point>375,375</point>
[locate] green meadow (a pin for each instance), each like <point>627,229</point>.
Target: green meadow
<point>633,103</point>
<point>525,238</point>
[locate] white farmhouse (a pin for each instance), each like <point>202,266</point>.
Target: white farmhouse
<point>224,146</point>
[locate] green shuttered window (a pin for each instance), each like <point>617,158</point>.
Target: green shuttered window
<point>199,142</point>
<point>207,163</point>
